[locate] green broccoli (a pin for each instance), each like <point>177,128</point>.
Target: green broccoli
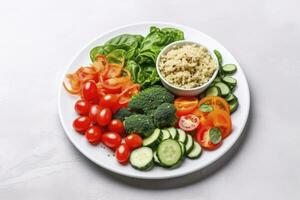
<point>122,113</point>
<point>164,115</point>
<point>149,99</point>
<point>138,123</point>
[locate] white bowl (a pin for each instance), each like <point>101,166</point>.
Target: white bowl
<point>182,91</point>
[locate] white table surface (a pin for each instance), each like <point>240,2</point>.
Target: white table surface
<point>39,38</point>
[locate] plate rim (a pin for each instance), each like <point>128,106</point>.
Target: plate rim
<point>243,124</point>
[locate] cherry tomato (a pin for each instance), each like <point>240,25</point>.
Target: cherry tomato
<point>189,122</point>
<point>109,101</point>
<point>89,91</point>
<point>111,139</point>
<point>122,153</point>
<point>93,134</point>
<point>202,137</point>
<point>94,110</point>
<point>104,117</point>
<point>82,107</point>
<point>185,105</point>
<point>134,141</point>
<point>81,124</point>
<point>117,126</point>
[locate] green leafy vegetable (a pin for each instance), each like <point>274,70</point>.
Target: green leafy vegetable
<point>206,108</point>
<point>219,57</point>
<point>117,56</point>
<point>215,135</point>
<point>104,50</point>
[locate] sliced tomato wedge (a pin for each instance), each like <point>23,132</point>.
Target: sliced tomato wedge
<point>221,120</point>
<point>185,105</point>
<point>210,103</point>
<point>202,137</point>
<point>188,122</point>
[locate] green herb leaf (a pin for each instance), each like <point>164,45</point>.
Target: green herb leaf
<point>219,57</point>
<point>206,108</point>
<point>215,135</point>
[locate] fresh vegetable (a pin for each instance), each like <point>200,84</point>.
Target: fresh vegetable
<point>222,120</point>
<point>189,144</point>
<point>111,139</point>
<point>185,105</point>
<point>203,138</point>
<point>229,69</point>
<point>189,122</point>
<point>173,132</point>
<point>122,153</point>
<point>213,91</point>
<point>94,111</point>
<point>142,158</point>
<point>182,137</point>
<point>211,103</point>
<point>81,124</point>
<point>134,141</point>
<point>219,57</point>
<point>154,139</point>
<point>89,91</point>
<point>104,117</point>
<point>195,152</point>
<point>82,107</point>
<point>169,152</point>
<point>116,126</point>
<point>233,104</point>
<point>93,135</point>
<point>138,123</point>
<point>215,135</point>
<point>164,115</point>
<point>109,101</point>
<point>122,113</point>
<point>149,99</point>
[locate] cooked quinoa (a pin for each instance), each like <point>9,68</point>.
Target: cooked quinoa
<point>187,66</point>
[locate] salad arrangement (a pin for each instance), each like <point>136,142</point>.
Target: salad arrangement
<point>123,105</point>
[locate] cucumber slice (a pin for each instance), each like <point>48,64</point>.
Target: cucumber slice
<point>196,151</point>
<point>181,136</point>
<point>213,91</point>
<point>182,148</point>
<point>225,90</point>
<point>153,140</point>
<point>229,81</point>
<point>229,69</point>
<point>217,79</point>
<point>229,97</point>
<point>190,144</point>
<point>156,160</point>
<point>173,132</point>
<point>169,152</point>
<point>166,134</point>
<point>219,57</point>
<point>141,158</point>
<point>233,104</point>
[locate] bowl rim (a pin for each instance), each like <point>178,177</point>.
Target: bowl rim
<point>169,46</point>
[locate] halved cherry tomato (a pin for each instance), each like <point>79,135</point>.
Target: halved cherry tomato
<point>117,126</point>
<point>122,153</point>
<point>93,134</point>
<point>89,91</point>
<point>82,107</point>
<point>111,139</point>
<point>217,103</point>
<point>109,101</point>
<point>202,137</point>
<point>81,124</point>
<point>104,117</point>
<point>221,120</point>
<point>94,110</point>
<point>134,141</point>
<point>185,105</point>
<point>189,122</point>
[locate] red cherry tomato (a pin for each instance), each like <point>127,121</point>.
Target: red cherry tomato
<point>94,110</point>
<point>111,139</point>
<point>202,137</point>
<point>82,107</point>
<point>104,117</point>
<point>89,91</point>
<point>109,101</point>
<point>117,126</point>
<point>81,124</point>
<point>134,141</point>
<point>93,135</point>
<point>122,153</point>
<point>189,122</point>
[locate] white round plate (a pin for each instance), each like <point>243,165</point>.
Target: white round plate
<point>103,156</point>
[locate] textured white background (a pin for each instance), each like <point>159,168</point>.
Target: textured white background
<point>39,38</point>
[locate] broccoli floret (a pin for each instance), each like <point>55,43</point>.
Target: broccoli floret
<point>122,113</point>
<point>164,115</point>
<point>138,123</point>
<point>149,99</point>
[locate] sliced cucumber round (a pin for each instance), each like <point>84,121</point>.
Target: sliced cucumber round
<point>166,134</point>
<point>154,139</point>
<point>213,91</point>
<point>182,148</point>
<point>169,152</point>
<point>190,144</point>
<point>229,69</point>
<point>173,132</point>
<point>156,160</point>
<point>229,97</point>
<point>229,81</point>
<point>196,151</point>
<point>225,90</point>
<point>141,158</point>
<point>233,104</point>
<point>181,136</point>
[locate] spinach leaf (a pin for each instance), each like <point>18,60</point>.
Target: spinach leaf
<point>117,56</point>
<point>206,108</point>
<point>215,135</point>
<point>104,50</point>
<point>134,70</point>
